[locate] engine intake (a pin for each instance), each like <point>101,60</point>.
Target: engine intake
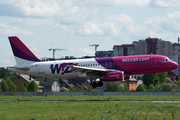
<point>114,76</point>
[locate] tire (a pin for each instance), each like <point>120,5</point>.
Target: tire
<point>155,81</point>
<point>100,83</point>
<point>94,85</point>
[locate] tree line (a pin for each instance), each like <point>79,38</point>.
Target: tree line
<point>8,86</point>
<point>148,84</point>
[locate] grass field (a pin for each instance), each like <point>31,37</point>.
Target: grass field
<point>87,107</point>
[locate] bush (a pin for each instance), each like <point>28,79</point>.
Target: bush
<point>165,87</point>
<point>141,88</point>
<point>116,87</point>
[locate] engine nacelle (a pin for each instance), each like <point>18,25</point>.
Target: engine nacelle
<point>114,76</point>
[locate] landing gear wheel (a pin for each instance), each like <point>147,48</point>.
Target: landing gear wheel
<point>100,83</point>
<point>94,85</point>
<point>155,81</point>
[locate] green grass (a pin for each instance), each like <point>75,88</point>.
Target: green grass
<point>92,98</point>
<point>82,110</point>
<point>50,108</point>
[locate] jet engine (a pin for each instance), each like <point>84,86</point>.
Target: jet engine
<point>114,76</point>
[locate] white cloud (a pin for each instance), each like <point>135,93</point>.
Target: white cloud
<point>166,3</point>
<point>121,18</point>
<point>112,25</point>
<point>118,2</point>
<point>13,30</point>
<point>90,29</point>
<point>65,28</point>
<point>38,7</point>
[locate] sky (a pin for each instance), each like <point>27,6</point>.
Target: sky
<point>75,24</point>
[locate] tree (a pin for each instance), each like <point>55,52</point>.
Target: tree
<point>32,86</point>
<point>178,85</point>
<point>4,86</point>
<point>4,73</point>
<point>23,88</point>
<point>11,85</point>
<point>161,77</point>
<point>116,87</point>
<point>0,88</point>
<point>165,87</point>
<point>148,79</point>
<point>141,88</point>
<point>151,88</point>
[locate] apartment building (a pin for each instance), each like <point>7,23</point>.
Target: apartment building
<point>123,50</point>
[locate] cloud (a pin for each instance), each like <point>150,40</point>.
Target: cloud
<point>38,7</point>
<point>65,28</point>
<point>111,26</point>
<point>90,29</point>
<point>165,3</point>
<point>13,30</point>
<point>121,18</point>
<point>31,21</point>
<point>118,2</point>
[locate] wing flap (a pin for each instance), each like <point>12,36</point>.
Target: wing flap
<point>89,71</point>
<point>81,69</point>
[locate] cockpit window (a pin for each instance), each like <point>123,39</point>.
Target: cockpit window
<point>166,59</point>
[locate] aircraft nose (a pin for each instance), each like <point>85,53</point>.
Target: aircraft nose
<point>175,65</point>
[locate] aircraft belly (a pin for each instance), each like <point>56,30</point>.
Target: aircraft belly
<point>67,76</point>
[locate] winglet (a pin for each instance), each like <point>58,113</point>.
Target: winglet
<point>21,52</point>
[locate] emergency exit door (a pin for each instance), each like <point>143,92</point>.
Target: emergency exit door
<point>153,61</point>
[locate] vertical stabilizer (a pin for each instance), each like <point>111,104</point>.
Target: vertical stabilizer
<point>21,53</point>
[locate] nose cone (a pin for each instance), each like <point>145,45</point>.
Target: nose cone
<point>174,65</point>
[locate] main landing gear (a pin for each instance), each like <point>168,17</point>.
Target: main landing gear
<point>97,84</point>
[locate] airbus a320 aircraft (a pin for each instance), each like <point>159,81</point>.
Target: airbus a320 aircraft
<point>105,69</point>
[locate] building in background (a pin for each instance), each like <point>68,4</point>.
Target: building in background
<point>154,46</point>
<point>123,50</point>
<point>100,54</point>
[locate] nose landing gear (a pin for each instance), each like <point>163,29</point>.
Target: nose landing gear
<point>155,81</point>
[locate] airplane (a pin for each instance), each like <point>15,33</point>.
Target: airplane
<point>104,69</point>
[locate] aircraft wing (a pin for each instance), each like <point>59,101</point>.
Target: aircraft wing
<point>89,71</point>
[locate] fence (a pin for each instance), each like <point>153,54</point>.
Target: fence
<point>85,93</point>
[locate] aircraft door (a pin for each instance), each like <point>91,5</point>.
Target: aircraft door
<point>41,68</point>
<point>153,61</point>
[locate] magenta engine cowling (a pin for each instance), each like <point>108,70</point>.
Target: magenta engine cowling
<point>114,76</point>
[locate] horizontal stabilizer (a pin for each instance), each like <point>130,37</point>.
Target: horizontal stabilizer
<point>20,68</point>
